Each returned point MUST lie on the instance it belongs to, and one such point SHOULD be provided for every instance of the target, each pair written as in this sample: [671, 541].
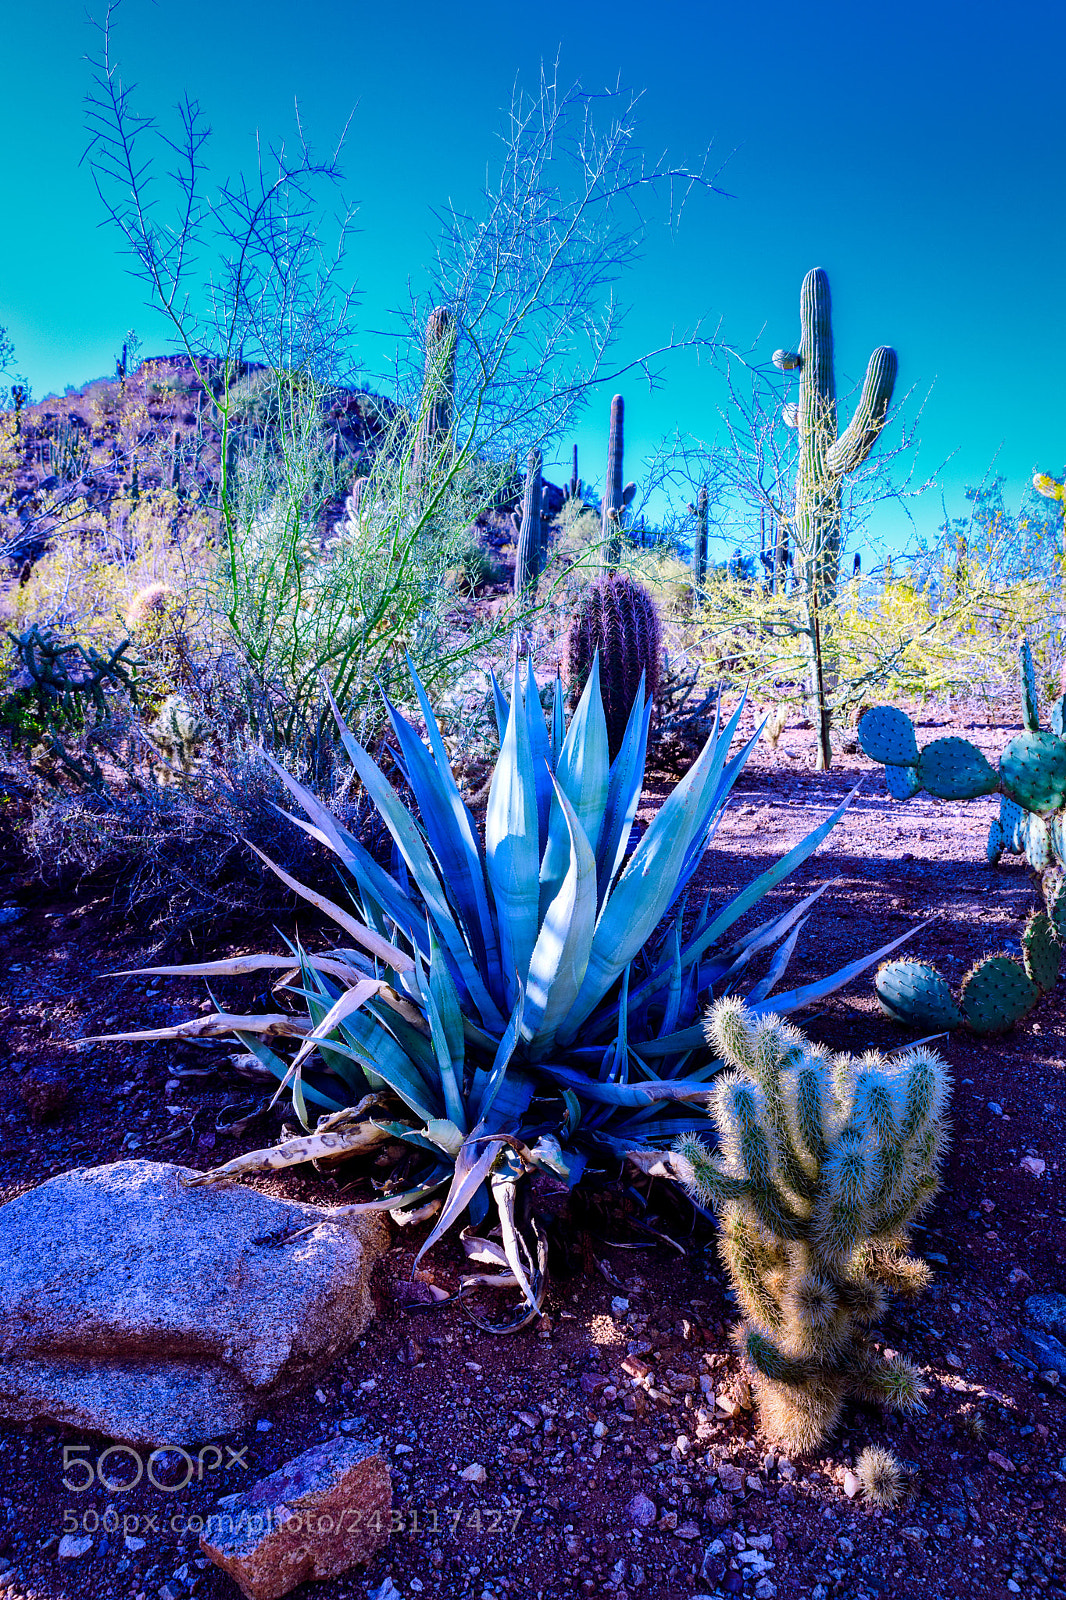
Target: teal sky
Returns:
[916, 151]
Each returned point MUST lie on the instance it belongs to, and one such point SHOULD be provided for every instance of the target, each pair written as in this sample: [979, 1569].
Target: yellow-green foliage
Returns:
[893, 638]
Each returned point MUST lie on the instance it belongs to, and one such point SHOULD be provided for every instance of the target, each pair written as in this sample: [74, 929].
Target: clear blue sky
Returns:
[916, 151]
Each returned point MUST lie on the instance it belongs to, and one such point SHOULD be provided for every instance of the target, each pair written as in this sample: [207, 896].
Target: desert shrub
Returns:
[173, 854]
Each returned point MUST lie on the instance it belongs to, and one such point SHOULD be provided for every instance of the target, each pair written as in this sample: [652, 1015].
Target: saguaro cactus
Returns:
[529, 544]
[615, 497]
[823, 1164]
[617, 618]
[433, 438]
[699, 543]
[825, 456]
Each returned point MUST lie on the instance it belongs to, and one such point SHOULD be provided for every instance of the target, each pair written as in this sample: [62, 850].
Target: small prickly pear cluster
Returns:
[1031, 782]
[824, 1162]
[996, 993]
[617, 619]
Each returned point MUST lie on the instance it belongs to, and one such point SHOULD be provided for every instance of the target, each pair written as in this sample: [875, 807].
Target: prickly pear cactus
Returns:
[954, 769]
[997, 993]
[1030, 697]
[1033, 770]
[1041, 951]
[887, 735]
[1031, 783]
[914, 993]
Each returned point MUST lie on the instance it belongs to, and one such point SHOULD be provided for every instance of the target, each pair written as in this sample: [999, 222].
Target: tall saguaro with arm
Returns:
[826, 456]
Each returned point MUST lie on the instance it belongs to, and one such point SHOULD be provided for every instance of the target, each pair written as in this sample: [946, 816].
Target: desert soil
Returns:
[576, 1459]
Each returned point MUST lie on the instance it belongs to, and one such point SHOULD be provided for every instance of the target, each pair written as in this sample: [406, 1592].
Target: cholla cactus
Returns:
[824, 1163]
[179, 732]
[881, 1476]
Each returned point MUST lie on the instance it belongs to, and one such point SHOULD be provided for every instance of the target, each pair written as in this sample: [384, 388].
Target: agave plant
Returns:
[500, 1007]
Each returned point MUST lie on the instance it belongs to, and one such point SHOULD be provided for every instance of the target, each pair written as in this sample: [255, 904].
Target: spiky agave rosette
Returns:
[500, 1007]
[824, 1162]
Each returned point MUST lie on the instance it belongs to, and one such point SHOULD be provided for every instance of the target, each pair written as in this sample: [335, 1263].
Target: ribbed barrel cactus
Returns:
[617, 621]
[824, 455]
[1031, 782]
[823, 1164]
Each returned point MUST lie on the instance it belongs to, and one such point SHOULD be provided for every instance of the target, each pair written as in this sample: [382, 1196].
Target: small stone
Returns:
[996, 1110]
[474, 1473]
[731, 1480]
[619, 1305]
[10, 915]
[384, 1591]
[318, 1516]
[765, 1589]
[1004, 1463]
[852, 1484]
[70, 1547]
[1033, 1165]
[727, 1405]
[1019, 1278]
[263, 1426]
[688, 1530]
[642, 1511]
[635, 1368]
[133, 1543]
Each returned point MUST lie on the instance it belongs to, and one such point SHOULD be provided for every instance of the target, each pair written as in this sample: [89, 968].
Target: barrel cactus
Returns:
[618, 620]
[823, 1164]
[825, 456]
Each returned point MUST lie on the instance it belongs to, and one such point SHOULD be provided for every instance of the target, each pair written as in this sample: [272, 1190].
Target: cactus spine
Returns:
[433, 436]
[617, 620]
[616, 497]
[825, 457]
[824, 1162]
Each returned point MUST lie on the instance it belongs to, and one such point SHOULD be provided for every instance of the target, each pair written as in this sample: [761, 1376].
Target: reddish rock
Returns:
[326, 1511]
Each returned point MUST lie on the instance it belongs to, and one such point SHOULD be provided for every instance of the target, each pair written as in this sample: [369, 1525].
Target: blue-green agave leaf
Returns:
[512, 845]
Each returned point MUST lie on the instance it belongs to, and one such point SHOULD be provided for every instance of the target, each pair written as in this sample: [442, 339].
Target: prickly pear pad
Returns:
[901, 782]
[1030, 698]
[997, 993]
[1042, 951]
[1033, 767]
[914, 993]
[887, 735]
[954, 769]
